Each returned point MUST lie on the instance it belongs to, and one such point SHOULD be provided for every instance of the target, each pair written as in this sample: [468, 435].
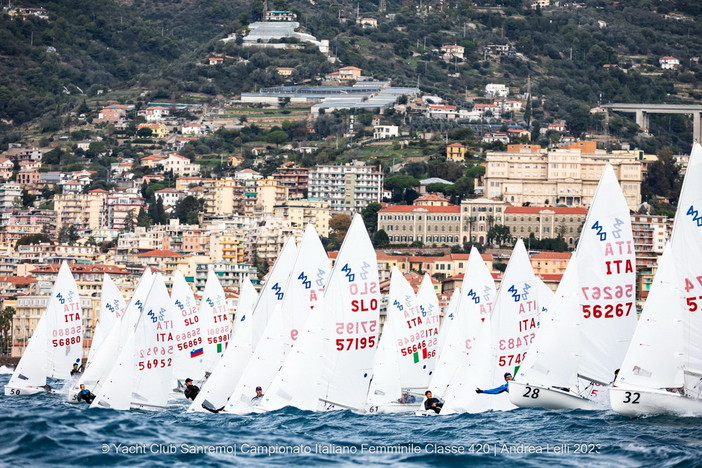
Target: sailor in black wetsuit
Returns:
[85, 394]
[432, 403]
[76, 371]
[191, 390]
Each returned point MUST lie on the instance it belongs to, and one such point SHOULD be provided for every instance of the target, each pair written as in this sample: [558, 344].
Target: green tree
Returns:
[381, 239]
[277, 137]
[188, 210]
[157, 213]
[30, 239]
[499, 234]
[370, 216]
[68, 234]
[143, 219]
[339, 224]
[663, 178]
[6, 327]
[144, 132]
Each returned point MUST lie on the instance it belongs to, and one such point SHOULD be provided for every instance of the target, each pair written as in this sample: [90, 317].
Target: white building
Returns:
[669, 63]
[180, 165]
[169, 197]
[496, 90]
[385, 131]
[347, 188]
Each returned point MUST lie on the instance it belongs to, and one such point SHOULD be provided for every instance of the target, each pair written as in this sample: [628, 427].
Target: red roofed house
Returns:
[165, 261]
[456, 152]
[431, 200]
[216, 60]
[113, 113]
[550, 263]
[669, 63]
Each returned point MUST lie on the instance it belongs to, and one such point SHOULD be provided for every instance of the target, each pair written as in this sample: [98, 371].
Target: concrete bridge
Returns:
[643, 112]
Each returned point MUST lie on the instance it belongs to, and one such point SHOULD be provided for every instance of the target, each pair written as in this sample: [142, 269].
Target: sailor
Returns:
[76, 370]
[85, 394]
[255, 401]
[407, 398]
[500, 389]
[432, 403]
[191, 390]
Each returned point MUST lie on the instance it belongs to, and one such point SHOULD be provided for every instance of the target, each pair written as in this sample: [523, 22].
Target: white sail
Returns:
[656, 355]
[216, 391]
[502, 343]
[215, 326]
[448, 320]
[474, 308]
[112, 306]
[142, 374]
[430, 313]
[106, 356]
[191, 324]
[662, 370]
[298, 383]
[593, 317]
[340, 338]
[58, 339]
[606, 262]
[273, 291]
[554, 356]
[351, 320]
[393, 367]
[305, 287]
[685, 241]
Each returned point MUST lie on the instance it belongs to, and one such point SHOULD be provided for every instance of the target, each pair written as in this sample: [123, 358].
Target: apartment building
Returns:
[347, 188]
[563, 176]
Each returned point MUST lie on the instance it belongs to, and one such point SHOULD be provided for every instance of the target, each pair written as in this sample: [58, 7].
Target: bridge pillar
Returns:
[697, 127]
[642, 119]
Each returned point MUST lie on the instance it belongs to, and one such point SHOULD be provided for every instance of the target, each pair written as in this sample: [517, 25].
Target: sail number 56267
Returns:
[607, 311]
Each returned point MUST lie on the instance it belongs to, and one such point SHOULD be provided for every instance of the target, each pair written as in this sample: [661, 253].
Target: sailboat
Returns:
[106, 355]
[220, 384]
[502, 343]
[215, 327]
[190, 324]
[218, 387]
[662, 370]
[57, 341]
[330, 366]
[585, 335]
[304, 290]
[460, 328]
[397, 377]
[112, 306]
[141, 378]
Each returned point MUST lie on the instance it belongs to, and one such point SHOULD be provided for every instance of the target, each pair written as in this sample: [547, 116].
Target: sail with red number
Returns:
[587, 331]
[190, 325]
[662, 369]
[473, 309]
[331, 364]
[215, 328]
[142, 375]
[57, 341]
[502, 343]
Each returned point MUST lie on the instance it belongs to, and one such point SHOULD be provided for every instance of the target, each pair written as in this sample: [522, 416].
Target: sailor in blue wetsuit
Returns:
[85, 394]
[500, 389]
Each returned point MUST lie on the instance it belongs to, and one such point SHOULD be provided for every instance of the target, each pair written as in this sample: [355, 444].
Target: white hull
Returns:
[423, 412]
[393, 408]
[636, 402]
[13, 391]
[534, 396]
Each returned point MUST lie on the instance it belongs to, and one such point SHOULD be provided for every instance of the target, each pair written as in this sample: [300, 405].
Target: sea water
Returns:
[45, 430]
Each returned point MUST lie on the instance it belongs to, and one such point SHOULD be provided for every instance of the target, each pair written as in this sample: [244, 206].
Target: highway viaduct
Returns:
[643, 112]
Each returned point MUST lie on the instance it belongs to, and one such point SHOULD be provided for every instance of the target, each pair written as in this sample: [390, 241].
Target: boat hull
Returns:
[393, 408]
[23, 391]
[525, 396]
[647, 402]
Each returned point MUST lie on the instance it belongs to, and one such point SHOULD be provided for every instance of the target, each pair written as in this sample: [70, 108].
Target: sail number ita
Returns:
[608, 310]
